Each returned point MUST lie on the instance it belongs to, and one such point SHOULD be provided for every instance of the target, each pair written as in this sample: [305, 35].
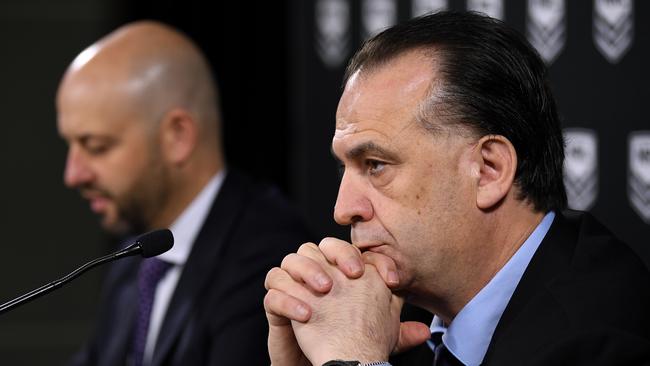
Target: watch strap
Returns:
[355, 363]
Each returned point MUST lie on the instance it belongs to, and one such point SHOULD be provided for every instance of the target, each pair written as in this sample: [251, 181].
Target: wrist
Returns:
[362, 356]
[355, 363]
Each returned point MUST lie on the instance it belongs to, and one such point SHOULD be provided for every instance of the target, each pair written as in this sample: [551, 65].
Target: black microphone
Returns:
[148, 245]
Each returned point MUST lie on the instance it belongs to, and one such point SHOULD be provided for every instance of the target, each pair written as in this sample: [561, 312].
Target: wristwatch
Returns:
[354, 363]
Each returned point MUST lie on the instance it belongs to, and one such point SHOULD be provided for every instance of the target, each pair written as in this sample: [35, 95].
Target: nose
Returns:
[77, 172]
[352, 204]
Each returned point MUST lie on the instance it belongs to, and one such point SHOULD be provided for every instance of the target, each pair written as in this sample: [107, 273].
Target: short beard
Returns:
[146, 199]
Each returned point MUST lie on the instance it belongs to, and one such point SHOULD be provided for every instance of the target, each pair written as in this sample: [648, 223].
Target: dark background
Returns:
[278, 100]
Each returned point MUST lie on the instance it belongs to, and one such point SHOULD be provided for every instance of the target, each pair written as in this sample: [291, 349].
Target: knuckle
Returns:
[267, 301]
[286, 261]
[270, 301]
[325, 241]
[338, 248]
[307, 247]
[270, 275]
[329, 241]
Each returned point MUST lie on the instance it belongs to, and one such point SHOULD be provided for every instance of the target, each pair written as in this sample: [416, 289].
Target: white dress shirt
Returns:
[185, 230]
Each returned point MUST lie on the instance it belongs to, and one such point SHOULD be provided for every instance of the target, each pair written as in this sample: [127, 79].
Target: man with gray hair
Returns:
[452, 186]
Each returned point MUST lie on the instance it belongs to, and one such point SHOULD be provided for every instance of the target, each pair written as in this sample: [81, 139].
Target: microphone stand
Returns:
[133, 249]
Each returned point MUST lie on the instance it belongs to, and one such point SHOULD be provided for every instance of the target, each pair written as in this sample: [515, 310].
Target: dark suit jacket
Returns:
[216, 314]
[583, 300]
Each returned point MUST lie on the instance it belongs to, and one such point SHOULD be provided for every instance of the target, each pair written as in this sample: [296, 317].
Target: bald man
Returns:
[139, 112]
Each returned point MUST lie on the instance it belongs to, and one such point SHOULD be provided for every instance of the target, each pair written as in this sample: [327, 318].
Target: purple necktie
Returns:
[152, 270]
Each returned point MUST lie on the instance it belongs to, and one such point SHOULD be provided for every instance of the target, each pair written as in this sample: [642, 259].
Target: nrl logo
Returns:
[546, 27]
[332, 31]
[491, 8]
[421, 7]
[581, 167]
[377, 15]
[613, 28]
[638, 188]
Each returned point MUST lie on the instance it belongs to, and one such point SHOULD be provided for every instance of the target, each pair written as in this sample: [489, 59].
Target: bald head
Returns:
[139, 112]
[152, 68]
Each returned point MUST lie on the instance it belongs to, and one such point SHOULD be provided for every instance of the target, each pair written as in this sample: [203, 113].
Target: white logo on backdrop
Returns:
[421, 7]
[546, 27]
[638, 187]
[492, 8]
[332, 31]
[581, 167]
[377, 15]
[613, 27]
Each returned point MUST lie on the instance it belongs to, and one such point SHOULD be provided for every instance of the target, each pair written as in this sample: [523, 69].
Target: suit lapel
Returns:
[547, 266]
[202, 261]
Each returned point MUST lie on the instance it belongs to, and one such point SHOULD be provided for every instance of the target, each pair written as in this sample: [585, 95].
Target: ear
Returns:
[497, 167]
[178, 135]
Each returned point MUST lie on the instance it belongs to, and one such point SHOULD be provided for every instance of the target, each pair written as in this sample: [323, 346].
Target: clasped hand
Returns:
[330, 301]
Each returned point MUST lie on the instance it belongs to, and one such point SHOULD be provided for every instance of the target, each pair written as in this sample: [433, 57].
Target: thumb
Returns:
[411, 334]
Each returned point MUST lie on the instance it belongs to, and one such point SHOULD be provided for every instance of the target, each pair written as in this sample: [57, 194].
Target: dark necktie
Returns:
[152, 270]
[442, 356]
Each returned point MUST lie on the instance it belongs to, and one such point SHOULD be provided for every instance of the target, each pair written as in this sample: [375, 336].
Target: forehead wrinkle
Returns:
[370, 144]
[371, 147]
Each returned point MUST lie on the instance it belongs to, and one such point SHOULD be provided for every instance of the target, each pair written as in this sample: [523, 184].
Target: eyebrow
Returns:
[89, 136]
[367, 148]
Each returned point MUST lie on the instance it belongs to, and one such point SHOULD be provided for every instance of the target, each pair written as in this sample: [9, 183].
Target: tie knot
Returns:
[154, 265]
[442, 355]
[436, 338]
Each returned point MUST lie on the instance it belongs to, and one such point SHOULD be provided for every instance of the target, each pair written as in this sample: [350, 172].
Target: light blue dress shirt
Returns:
[469, 334]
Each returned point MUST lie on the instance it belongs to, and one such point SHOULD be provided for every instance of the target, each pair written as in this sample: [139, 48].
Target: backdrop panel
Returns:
[598, 53]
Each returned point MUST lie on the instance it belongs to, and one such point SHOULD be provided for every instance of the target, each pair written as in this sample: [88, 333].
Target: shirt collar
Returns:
[469, 334]
[187, 225]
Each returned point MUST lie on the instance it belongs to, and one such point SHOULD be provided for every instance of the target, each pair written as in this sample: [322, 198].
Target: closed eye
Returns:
[97, 150]
[96, 146]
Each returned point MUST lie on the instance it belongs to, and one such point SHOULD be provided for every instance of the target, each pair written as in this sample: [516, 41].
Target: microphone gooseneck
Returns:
[148, 245]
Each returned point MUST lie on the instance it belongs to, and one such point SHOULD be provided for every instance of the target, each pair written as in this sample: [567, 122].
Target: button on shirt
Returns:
[469, 334]
[185, 230]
